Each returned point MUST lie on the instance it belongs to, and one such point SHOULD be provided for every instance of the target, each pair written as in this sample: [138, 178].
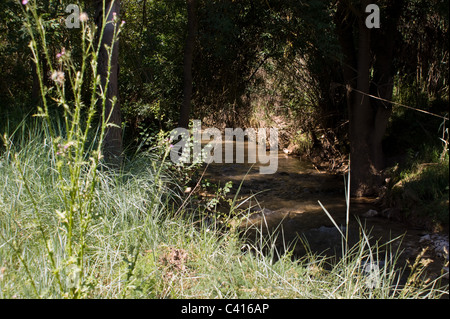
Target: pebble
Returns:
[370, 213]
[437, 242]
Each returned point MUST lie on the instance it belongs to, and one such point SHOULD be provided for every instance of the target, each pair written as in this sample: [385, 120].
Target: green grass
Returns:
[137, 248]
[415, 142]
[422, 191]
[71, 228]
[419, 185]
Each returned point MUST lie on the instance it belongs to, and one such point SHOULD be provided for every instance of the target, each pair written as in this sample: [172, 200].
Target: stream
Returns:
[288, 202]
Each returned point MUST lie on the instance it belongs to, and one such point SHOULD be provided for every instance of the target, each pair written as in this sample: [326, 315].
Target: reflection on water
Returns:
[291, 197]
[296, 186]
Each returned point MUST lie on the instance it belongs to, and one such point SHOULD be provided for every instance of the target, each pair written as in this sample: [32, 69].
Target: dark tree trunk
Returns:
[362, 171]
[344, 21]
[382, 82]
[187, 63]
[112, 144]
[368, 117]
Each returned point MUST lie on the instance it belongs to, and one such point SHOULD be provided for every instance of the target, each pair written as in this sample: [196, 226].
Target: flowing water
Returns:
[288, 201]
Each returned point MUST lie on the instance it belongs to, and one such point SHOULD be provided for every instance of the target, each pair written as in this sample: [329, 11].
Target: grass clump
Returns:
[136, 247]
[417, 149]
[420, 190]
[72, 228]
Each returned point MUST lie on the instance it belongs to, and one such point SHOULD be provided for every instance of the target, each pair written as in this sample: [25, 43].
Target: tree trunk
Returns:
[187, 63]
[345, 30]
[112, 144]
[361, 165]
[368, 117]
[382, 82]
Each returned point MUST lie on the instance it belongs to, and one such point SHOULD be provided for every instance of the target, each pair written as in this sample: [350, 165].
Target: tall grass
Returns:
[137, 248]
[75, 157]
[71, 229]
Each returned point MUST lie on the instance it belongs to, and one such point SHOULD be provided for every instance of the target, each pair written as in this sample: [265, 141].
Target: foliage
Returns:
[137, 248]
[151, 67]
[71, 228]
[421, 191]
[424, 46]
[75, 159]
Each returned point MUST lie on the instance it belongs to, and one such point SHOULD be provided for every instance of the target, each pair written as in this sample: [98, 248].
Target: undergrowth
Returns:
[72, 228]
[417, 149]
[137, 248]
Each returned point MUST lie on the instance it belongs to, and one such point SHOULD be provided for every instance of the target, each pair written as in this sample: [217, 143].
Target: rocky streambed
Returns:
[285, 205]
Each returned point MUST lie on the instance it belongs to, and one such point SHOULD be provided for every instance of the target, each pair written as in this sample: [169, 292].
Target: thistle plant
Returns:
[76, 156]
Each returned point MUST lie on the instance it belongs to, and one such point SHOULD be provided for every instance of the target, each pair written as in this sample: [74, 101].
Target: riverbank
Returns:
[290, 199]
[139, 244]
